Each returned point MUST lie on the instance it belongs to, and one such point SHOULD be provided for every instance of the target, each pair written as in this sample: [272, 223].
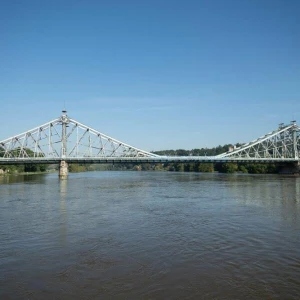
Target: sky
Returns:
[171, 74]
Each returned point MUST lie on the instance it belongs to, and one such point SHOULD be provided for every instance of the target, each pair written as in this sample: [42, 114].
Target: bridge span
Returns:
[142, 160]
[65, 140]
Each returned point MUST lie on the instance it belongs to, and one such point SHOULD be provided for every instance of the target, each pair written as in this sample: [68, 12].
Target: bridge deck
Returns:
[140, 160]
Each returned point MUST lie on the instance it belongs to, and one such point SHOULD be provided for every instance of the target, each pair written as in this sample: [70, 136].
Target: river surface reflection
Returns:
[149, 235]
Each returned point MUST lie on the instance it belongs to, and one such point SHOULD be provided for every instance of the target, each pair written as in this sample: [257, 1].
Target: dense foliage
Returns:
[201, 167]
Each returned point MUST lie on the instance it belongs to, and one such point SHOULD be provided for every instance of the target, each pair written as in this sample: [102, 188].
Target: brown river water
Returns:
[149, 235]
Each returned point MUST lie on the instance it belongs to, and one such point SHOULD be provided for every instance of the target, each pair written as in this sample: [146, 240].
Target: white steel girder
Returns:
[283, 143]
[65, 137]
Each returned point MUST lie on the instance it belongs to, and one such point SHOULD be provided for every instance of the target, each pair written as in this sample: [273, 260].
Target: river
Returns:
[149, 235]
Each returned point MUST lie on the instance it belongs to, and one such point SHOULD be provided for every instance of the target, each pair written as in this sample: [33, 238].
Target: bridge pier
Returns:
[290, 168]
[63, 169]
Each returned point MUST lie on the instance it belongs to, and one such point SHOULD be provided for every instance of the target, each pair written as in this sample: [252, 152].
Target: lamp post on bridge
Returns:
[63, 166]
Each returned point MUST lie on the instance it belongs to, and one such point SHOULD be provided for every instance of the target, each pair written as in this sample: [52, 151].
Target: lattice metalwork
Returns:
[66, 138]
[283, 143]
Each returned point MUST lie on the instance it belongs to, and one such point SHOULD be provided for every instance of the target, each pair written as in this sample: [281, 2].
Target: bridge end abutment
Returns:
[63, 169]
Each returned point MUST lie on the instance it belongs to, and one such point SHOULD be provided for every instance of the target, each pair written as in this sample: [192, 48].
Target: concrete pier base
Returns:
[290, 168]
[63, 169]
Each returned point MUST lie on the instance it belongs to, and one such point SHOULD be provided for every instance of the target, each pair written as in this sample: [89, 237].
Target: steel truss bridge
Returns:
[65, 139]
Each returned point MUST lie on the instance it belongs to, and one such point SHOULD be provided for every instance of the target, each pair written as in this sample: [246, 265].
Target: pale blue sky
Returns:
[155, 74]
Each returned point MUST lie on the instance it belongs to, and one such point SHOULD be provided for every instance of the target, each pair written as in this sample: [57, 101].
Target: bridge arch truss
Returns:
[67, 139]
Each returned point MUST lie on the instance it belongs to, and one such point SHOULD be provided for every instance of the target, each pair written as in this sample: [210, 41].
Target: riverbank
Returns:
[26, 173]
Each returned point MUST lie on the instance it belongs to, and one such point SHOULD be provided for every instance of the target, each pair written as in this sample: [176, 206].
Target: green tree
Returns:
[243, 169]
[229, 168]
[204, 167]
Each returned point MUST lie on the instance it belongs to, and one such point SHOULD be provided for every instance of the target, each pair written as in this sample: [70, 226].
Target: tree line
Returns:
[229, 167]
[253, 168]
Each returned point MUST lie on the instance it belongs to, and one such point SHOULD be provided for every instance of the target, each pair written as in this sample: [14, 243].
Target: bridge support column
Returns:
[290, 168]
[63, 169]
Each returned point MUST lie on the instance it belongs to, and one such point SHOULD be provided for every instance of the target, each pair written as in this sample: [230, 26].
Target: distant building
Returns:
[231, 148]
